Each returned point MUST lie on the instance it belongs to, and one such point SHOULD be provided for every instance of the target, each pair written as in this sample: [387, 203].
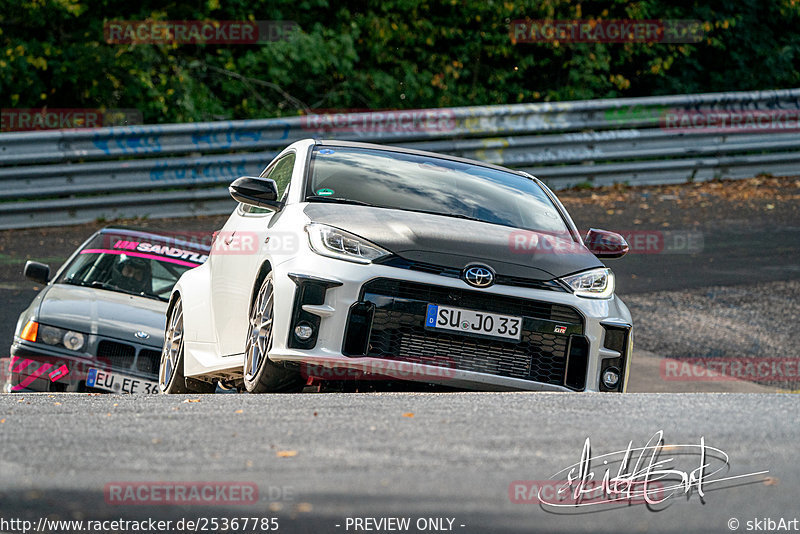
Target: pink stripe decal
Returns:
[138, 255]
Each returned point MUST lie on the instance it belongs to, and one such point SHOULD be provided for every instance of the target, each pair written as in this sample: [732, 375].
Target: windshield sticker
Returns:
[326, 151]
[195, 258]
[324, 192]
[162, 250]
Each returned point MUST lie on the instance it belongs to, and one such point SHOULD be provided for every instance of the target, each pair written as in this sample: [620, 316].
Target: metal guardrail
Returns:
[75, 176]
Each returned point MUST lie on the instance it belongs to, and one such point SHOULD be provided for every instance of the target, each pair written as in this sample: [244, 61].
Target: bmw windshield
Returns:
[427, 184]
[130, 265]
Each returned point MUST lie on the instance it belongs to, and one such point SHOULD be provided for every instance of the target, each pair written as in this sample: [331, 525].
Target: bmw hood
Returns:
[104, 313]
[455, 243]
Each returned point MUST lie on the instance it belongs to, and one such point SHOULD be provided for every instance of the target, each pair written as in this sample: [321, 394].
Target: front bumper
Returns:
[395, 344]
[37, 368]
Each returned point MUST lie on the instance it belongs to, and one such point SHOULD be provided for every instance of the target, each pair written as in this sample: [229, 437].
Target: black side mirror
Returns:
[258, 192]
[38, 272]
[605, 244]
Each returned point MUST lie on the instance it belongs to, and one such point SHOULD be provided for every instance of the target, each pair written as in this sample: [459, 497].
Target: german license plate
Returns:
[119, 383]
[473, 322]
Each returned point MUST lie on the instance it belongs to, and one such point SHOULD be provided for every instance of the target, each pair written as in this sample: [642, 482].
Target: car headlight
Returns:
[51, 335]
[73, 340]
[334, 243]
[594, 284]
[59, 336]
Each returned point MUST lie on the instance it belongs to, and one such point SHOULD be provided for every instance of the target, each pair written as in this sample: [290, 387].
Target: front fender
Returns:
[194, 288]
[200, 347]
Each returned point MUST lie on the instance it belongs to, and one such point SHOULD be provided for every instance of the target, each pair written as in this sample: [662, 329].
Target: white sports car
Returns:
[352, 261]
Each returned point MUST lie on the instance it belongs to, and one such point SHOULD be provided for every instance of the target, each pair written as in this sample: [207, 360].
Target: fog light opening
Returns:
[303, 331]
[611, 377]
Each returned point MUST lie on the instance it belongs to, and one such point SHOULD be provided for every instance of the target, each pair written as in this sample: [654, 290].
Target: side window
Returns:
[281, 172]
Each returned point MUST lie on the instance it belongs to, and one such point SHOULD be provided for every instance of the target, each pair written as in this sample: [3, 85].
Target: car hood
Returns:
[455, 243]
[104, 313]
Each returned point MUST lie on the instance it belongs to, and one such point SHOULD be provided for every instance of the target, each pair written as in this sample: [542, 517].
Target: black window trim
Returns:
[274, 163]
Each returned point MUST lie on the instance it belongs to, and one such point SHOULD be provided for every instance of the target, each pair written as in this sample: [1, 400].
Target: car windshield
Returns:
[130, 265]
[428, 184]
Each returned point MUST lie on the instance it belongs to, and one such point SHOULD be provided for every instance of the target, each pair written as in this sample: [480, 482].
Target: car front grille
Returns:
[398, 332]
[116, 354]
[123, 356]
[148, 361]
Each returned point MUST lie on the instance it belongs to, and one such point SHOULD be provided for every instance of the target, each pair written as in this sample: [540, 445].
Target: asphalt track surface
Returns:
[319, 459]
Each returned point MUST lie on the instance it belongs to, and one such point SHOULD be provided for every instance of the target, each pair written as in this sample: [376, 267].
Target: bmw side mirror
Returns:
[605, 244]
[258, 192]
[38, 272]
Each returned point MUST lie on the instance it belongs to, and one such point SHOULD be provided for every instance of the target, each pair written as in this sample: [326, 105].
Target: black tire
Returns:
[170, 371]
[260, 374]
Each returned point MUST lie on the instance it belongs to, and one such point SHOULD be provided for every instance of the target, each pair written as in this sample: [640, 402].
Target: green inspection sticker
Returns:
[324, 192]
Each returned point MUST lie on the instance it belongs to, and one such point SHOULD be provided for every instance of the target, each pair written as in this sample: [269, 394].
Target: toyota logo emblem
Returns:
[479, 276]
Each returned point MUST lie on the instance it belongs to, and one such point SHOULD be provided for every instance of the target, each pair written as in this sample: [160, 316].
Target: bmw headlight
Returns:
[50, 335]
[593, 284]
[73, 340]
[58, 336]
[334, 243]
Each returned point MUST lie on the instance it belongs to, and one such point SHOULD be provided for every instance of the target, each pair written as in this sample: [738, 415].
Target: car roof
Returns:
[358, 144]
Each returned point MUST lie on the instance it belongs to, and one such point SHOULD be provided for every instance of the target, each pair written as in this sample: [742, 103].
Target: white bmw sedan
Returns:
[350, 261]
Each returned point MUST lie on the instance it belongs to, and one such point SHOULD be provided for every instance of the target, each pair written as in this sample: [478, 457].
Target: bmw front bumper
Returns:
[35, 367]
